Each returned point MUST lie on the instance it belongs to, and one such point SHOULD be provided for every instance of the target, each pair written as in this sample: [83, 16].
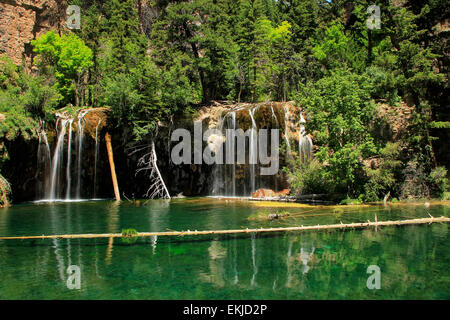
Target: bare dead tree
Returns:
[148, 163]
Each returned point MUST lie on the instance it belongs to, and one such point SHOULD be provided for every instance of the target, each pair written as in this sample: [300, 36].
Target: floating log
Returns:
[112, 166]
[247, 230]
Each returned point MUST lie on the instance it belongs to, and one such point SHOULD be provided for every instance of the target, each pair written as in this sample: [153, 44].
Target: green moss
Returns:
[129, 236]
[349, 201]
[260, 215]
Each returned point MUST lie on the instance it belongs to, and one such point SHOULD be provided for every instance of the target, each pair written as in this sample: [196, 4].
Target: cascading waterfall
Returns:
[304, 141]
[219, 183]
[44, 159]
[80, 136]
[273, 115]
[286, 128]
[231, 179]
[57, 157]
[96, 156]
[69, 157]
[56, 172]
[277, 126]
[253, 156]
[233, 117]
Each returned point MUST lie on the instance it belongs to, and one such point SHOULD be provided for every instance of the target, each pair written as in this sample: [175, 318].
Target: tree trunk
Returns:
[254, 84]
[205, 96]
[113, 168]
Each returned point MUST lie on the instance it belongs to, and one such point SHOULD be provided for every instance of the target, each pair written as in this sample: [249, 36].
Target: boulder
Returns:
[268, 193]
[264, 193]
[284, 193]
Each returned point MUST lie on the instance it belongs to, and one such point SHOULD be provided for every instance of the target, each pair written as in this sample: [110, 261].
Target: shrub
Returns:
[414, 184]
[129, 236]
[438, 182]
[307, 177]
[383, 177]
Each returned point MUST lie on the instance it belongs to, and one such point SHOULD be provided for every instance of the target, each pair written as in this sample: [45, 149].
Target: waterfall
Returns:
[69, 156]
[58, 179]
[277, 126]
[304, 141]
[273, 115]
[57, 157]
[96, 157]
[233, 117]
[80, 150]
[231, 179]
[44, 159]
[253, 150]
[218, 173]
[286, 128]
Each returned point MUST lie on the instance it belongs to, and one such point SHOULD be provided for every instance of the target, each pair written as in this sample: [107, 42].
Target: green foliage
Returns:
[24, 99]
[335, 49]
[307, 177]
[339, 111]
[415, 183]
[440, 124]
[438, 182]
[349, 201]
[68, 59]
[383, 177]
[384, 84]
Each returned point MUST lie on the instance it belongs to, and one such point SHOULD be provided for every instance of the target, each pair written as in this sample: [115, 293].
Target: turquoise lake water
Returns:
[414, 260]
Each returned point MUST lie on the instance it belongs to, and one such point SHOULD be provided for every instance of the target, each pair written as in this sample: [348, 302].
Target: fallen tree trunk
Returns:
[215, 232]
[112, 166]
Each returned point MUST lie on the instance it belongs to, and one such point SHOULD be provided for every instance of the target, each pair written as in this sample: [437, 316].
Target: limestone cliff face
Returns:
[21, 21]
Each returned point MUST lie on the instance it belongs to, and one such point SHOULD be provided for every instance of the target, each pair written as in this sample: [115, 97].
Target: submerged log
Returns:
[247, 230]
[112, 166]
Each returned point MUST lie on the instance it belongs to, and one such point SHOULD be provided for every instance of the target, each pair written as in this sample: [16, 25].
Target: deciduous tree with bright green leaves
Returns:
[69, 59]
[339, 110]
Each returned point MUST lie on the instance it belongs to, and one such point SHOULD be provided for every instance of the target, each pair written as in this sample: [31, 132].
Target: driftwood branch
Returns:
[341, 226]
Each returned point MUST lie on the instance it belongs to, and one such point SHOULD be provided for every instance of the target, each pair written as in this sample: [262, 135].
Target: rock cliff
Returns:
[21, 21]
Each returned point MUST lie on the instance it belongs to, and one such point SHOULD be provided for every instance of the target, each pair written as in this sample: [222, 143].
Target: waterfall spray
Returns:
[69, 156]
[286, 129]
[304, 141]
[57, 158]
[96, 157]
[44, 160]
[80, 150]
[233, 115]
[253, 150]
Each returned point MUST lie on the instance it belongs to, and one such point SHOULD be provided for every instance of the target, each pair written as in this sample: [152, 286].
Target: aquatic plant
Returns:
[129, 236]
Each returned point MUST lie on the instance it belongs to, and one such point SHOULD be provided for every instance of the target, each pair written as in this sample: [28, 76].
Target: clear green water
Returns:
[414, 260]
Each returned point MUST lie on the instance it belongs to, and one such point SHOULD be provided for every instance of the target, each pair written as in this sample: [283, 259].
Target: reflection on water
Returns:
[310, 265]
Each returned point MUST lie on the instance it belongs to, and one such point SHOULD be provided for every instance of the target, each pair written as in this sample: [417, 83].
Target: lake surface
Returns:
[414, 260]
